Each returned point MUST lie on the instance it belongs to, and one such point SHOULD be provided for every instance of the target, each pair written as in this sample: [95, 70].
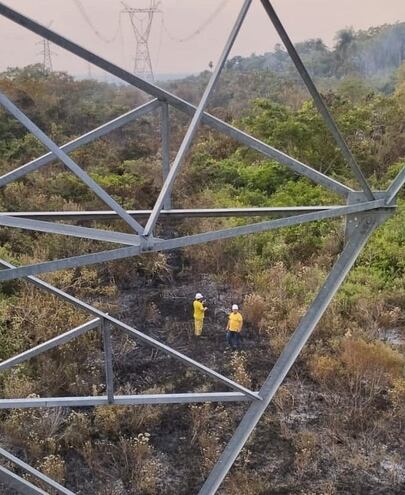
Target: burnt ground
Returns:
[333, 465]
[166, 315]
[304, 444]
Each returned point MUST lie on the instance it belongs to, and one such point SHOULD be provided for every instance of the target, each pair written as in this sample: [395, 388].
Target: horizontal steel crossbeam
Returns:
[169, 214]
[123, 400]
[265, 226]
[74, 262]
[165, 245]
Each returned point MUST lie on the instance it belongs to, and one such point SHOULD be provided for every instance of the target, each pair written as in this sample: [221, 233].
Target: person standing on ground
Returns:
[199, 313]
[234, 328]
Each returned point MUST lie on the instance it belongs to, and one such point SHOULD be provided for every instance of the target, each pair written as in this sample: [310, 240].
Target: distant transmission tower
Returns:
[141, 20]
[46, 53]
[46, 56]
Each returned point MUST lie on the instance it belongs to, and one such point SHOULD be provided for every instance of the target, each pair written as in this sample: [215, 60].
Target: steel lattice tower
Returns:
[364, 211]
[141, 22]
[46, 56]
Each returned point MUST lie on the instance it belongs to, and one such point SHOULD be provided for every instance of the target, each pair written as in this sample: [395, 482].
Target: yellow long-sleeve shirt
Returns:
[198, 310]
[235, 322]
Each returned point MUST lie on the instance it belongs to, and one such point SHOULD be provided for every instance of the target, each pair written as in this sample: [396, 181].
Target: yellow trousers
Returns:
[198, 326]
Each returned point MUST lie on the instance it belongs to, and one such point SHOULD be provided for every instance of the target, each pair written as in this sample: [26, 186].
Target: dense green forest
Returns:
[336, 425]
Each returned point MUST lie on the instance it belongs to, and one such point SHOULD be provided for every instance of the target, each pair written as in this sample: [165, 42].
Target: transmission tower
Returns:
[46, 54]
[141, 21]
[364, 211]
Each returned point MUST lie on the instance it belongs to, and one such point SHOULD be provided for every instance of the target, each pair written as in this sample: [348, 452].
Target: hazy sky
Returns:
[303, 19]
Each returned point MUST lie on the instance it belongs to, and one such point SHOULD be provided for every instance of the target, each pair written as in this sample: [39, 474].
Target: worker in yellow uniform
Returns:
[234, 328]
[199, 313]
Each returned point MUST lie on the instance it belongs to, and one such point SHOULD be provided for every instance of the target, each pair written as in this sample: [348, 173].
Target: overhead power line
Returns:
[89, 22]
[141, 20]
[200, 28]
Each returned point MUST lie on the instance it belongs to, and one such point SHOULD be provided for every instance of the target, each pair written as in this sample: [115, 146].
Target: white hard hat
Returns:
[235, 306]
[198, 296]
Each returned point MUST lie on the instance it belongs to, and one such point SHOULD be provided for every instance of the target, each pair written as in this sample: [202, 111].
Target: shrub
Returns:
[240, 374]
[370, 366]
[54, 467]
[35, 430]
[284, 399]
[325, 369]
[17, 385]
[253, 309]
[132, 460]
[209, 424]
[306, 450]
[113, 422]
[210, 448]
[200, 417]
[397, 396]
[78, 429]
[244, 483]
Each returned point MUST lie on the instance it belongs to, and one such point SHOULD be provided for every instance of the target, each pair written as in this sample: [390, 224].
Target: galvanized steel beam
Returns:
[108, 364]
[165, 138]
[123, 400]
[266, 226]
[70, 230]
[166, 245]
[169, 214]
[395, 187]
[73, 262]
